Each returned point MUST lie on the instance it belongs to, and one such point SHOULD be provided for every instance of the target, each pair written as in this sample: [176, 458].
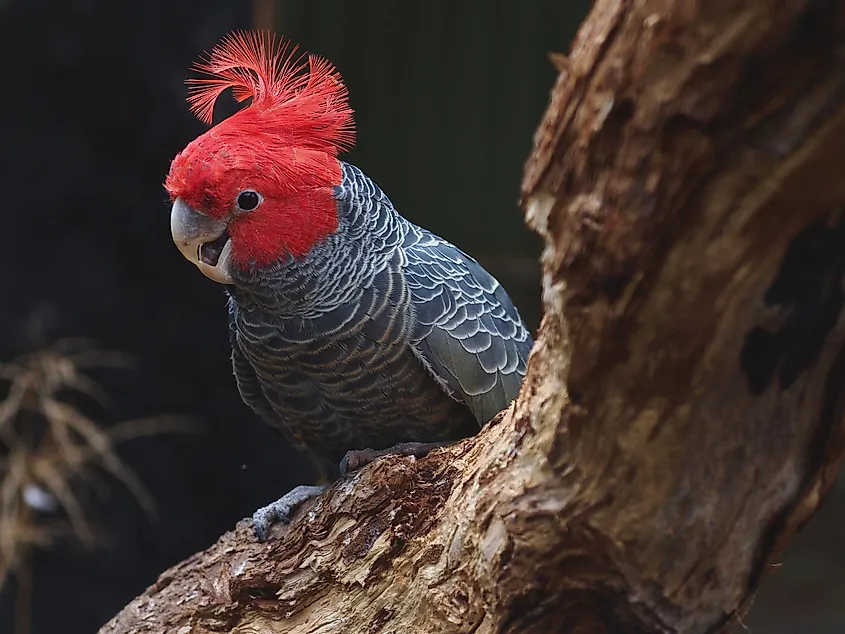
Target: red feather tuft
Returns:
[284, 144]
[303, 97]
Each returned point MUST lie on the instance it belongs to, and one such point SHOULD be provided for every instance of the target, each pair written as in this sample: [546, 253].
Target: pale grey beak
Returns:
[203, 241]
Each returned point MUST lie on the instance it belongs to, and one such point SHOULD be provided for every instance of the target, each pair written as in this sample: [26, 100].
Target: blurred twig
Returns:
[49, 446]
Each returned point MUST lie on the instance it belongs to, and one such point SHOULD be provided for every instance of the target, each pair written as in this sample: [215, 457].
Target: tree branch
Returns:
[682, 413]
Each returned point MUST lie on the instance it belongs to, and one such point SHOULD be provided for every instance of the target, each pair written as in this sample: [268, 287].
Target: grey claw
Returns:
[282, 512]
[260, 525]
[343, 468]
[282, 509]
[265, 517]
[356, 458]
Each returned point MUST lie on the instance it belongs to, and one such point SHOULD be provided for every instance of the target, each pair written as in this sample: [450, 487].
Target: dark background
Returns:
[447, 96]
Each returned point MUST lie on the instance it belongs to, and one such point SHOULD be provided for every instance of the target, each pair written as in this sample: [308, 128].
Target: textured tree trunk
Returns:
[683, 410]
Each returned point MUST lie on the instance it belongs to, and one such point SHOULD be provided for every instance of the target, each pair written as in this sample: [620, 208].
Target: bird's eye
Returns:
[248, 200]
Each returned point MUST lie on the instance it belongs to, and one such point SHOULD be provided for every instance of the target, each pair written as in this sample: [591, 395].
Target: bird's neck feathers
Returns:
[289, 286]
[338, 267]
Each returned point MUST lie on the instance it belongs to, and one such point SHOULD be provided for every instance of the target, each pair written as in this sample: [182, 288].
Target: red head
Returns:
[264, 176]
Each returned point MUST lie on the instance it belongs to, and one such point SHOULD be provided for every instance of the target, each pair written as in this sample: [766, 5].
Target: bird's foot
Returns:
[356, 459]
[282, 509]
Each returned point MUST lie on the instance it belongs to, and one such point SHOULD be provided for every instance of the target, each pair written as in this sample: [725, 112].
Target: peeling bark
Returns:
[682, 415]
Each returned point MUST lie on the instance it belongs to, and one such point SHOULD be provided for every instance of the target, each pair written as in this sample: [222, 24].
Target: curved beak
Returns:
[203, 241]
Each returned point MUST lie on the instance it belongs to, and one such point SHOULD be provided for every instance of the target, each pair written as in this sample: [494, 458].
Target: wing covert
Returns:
[468, 331]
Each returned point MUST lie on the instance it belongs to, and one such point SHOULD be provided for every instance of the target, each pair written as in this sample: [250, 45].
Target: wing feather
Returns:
[468, 331]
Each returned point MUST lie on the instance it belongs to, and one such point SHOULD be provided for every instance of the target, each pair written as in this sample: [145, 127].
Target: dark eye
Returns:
[248, 200]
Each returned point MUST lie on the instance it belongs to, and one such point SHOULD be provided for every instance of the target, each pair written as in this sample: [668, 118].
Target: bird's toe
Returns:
[262, 519]
[282, 509]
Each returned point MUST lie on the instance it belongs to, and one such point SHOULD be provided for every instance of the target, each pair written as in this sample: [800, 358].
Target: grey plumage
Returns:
[384, 333]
